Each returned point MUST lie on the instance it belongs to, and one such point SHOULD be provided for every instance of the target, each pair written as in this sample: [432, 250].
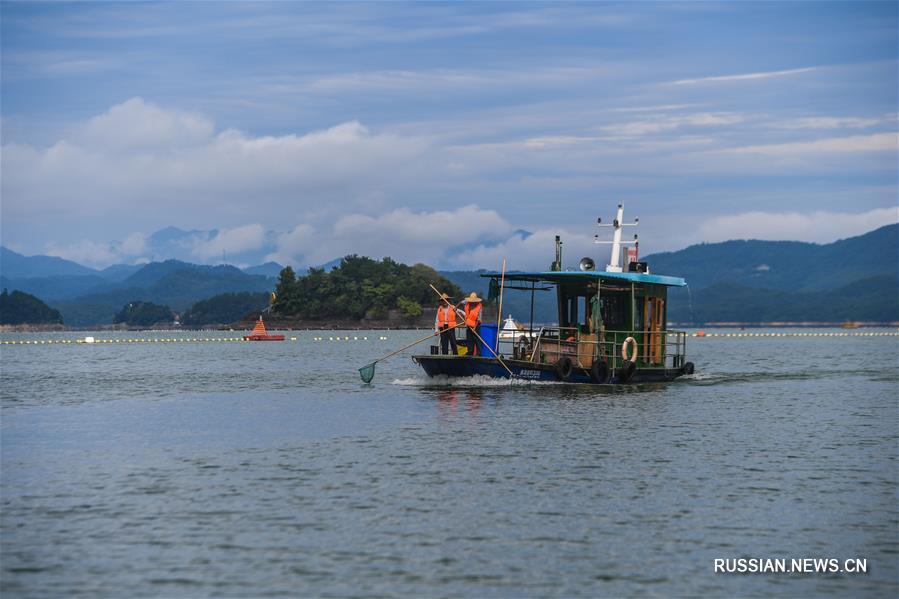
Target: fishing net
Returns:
[367, 373]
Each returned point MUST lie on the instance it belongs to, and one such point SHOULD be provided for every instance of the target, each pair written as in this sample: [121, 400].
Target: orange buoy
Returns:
[260, 334]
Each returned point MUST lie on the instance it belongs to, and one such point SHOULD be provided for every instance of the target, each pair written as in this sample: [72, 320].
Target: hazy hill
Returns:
[269, 269]
[120, 272]
[56, 287]
[154, 272]
[784, 265]
[871, 299]
[172, 283]
[16, 266]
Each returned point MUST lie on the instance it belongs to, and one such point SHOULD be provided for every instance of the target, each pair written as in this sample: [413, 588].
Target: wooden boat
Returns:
[260, 334]
[612, 327]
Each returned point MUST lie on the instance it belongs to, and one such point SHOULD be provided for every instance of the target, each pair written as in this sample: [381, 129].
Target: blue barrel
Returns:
[488, 334]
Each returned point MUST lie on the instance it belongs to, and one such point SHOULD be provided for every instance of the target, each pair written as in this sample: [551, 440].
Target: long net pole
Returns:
[499, 310]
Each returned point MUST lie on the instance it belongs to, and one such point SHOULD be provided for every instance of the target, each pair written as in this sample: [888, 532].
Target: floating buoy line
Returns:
[93, 340]
[350, 338]
[817, 334]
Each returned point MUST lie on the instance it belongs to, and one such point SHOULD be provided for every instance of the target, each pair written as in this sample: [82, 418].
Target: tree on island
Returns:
[143, 314]
[359, 288]
[23, 308]
[224, 308]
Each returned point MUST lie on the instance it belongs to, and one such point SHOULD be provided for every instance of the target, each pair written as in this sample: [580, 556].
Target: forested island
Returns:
[361, 290]
[144, 314]
[224, 308]
[23, 308]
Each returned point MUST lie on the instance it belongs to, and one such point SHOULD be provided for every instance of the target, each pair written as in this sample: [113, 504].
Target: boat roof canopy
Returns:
[575, 276]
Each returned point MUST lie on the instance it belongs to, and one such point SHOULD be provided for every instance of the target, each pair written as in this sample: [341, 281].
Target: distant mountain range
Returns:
[86, 296]
[733, 281]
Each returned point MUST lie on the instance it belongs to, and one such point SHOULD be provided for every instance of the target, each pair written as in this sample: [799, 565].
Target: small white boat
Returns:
[513, 331]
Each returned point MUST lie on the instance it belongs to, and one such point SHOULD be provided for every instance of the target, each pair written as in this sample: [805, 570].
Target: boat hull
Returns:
[263, 338]
[462, 366]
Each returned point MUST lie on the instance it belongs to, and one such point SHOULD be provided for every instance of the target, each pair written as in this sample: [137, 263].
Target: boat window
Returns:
[638, 314]
[613, 311]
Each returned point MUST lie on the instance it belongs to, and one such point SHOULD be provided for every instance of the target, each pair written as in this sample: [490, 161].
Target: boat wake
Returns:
[730, 378]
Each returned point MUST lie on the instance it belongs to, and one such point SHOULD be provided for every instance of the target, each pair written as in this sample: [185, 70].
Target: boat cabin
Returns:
[597, 312]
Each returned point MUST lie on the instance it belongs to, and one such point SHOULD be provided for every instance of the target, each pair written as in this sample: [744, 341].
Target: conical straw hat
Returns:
[473, 298]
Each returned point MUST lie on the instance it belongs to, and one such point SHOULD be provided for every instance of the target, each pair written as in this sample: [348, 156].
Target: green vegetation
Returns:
[359, 288]
[224, 308]
[22, 308]
[143, 314]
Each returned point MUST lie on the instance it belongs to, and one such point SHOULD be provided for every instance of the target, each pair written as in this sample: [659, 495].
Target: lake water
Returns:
[263, 469]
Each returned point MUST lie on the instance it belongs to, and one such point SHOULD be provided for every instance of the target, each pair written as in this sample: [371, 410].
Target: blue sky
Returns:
[438, 131]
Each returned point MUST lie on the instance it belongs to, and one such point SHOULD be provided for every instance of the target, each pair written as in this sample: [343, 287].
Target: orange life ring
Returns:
[634, 353]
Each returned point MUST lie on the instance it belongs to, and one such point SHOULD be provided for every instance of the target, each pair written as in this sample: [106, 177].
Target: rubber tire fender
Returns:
[689, 368]
[599, 372]
[563, 368]
[626, 371]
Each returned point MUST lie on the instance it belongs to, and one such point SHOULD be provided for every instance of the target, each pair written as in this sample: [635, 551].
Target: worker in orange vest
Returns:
[446, 324]
[473, 322]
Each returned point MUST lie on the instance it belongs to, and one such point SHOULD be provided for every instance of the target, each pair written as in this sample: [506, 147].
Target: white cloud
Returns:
[470, 237]
[293, 246]
[81, 66]
[388, 84]
[401, 234]
[658, 108]
[877, 142]
[829, 122]
[142, 162]
[744, 76]
[99, 254]
[136, 124]
[88, 253]
[669, 123]
[535, 252]
[337, 190]
[231, 241]
[134, 245]
[819, 226]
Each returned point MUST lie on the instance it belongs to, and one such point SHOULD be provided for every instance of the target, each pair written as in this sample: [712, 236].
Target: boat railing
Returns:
[654, 348]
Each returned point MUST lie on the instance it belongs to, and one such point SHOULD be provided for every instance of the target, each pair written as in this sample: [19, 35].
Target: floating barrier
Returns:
[816, 334]
[92, 340]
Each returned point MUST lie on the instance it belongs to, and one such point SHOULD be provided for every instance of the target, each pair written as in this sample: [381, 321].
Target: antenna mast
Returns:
[615, 261]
